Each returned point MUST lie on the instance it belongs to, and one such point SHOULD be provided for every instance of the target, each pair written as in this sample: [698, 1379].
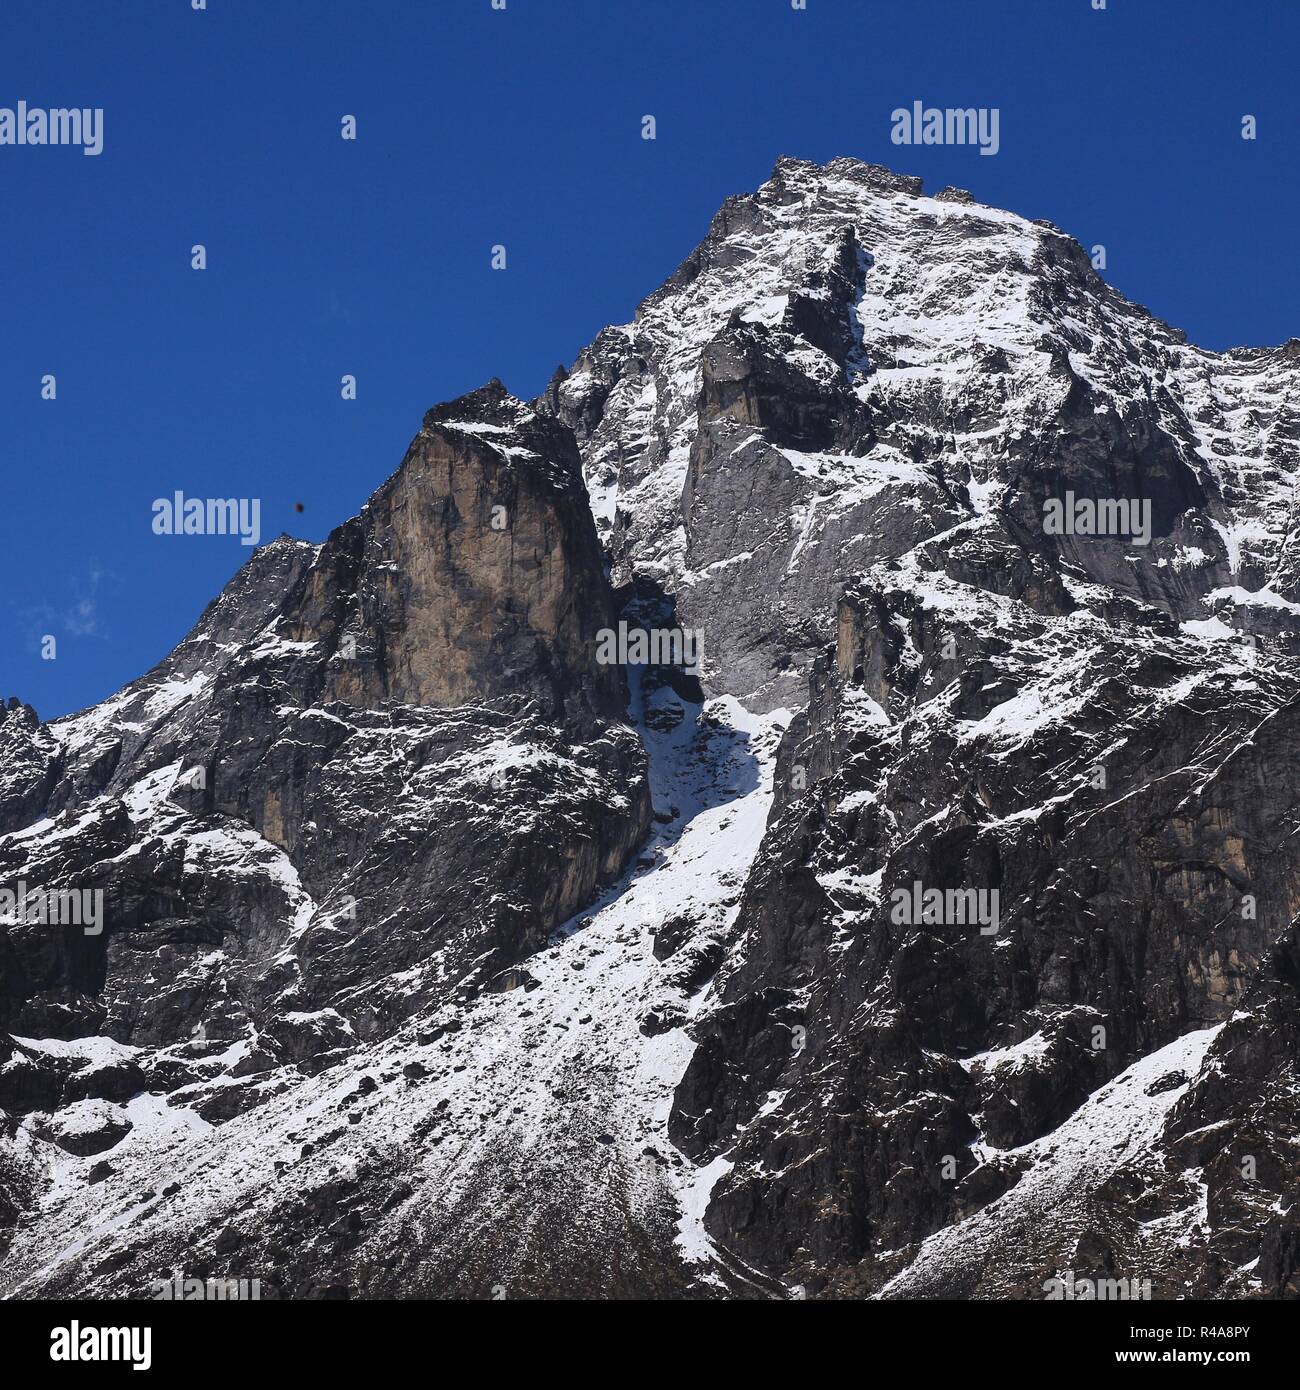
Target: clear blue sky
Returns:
[522, 127]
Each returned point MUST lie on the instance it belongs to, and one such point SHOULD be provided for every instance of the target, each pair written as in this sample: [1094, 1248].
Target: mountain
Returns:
[933, 935]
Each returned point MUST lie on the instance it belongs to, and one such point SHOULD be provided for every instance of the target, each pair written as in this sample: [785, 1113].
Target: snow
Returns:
[1263, 598]
[1014, 1057]
[168, 695]
[93, 1051]
[147, 798]
[1210, 630]
[694, 1195]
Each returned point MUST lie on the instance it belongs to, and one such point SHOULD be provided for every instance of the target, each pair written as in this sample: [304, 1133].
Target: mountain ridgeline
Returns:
[929, 932]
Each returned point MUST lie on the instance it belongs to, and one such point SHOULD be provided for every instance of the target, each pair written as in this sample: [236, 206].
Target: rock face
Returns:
[305, 800]
[935, 938]
[474, 572]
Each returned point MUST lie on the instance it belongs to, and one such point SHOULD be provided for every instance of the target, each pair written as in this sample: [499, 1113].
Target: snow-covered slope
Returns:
[517, 1143]
[1117, 1128]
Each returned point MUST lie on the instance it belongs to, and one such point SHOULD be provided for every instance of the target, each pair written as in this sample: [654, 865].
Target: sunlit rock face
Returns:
[473, 572]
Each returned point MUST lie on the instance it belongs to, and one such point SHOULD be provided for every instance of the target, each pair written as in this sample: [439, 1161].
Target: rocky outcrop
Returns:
[29, 765]
[307, 801]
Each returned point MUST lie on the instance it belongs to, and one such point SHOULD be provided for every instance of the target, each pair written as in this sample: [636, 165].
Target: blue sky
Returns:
[521, 127]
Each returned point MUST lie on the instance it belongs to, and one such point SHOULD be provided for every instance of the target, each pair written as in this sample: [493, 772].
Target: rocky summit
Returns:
[931, 931]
